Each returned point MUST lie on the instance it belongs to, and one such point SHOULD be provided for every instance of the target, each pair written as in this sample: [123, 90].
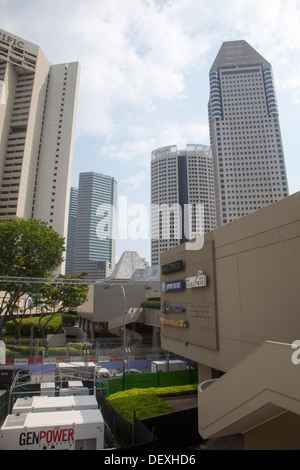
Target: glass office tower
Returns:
[91, 244]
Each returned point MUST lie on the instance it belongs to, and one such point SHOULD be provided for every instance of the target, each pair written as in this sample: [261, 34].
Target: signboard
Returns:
[196, 281]
[13, 41]
[164, 150]
[171, 322]
[172, 309]
[172, 286]
[172, 267]
[56, 435]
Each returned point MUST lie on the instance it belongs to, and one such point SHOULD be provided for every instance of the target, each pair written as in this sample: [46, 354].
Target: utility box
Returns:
[102, 373]
[75, 370]
[48, 389]
[168, 366]
[75, 384]
[41, 404]
[73, 391]
[62, 430]
[75, 388]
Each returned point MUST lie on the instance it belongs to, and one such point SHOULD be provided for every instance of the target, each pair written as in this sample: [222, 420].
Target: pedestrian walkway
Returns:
[183, 403]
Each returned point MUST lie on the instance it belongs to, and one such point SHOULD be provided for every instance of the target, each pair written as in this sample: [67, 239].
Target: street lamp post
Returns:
[124, 325]
[124, 329]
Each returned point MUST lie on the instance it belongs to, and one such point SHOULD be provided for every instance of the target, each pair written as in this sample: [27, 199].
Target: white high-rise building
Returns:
[38, 105]
[249, 166]
[181, 182]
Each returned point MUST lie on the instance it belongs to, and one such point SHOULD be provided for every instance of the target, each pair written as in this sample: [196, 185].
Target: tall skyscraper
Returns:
[248, 157]
[70, 254]
[37, 121]
[181, 182]
[91, 243]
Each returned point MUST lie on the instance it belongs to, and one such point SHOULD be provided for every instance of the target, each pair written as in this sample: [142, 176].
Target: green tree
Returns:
[28, 248]
[60, 297]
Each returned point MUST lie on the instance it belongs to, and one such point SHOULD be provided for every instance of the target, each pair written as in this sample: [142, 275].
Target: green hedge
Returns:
[14, 351]
[143, 402]
[177, 391]
[151, 304]
[147, 403]
[68, 319]
[55, 325]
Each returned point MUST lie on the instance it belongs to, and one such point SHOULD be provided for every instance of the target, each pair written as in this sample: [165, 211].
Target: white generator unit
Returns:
[67, 392]
[170, 366]
[48, 389]
[41, 404]
[75, 388]
[62, 430]
[75, 384]
[73, 370]
[102, 372]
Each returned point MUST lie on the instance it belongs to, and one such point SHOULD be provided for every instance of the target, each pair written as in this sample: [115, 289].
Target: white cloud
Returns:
[145, 63]
[139, 151]
[271, 26]
[136, 181]
[138, 53]
[132, 54]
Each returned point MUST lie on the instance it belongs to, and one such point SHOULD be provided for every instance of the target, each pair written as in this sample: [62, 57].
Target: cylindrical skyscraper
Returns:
[182, 196]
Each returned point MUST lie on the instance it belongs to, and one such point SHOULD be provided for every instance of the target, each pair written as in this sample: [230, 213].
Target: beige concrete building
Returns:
[130, 284]
[237, 315]
[37, 123]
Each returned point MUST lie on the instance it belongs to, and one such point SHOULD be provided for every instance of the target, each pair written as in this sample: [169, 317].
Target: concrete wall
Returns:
[279, 434]
[104, 304]
[253, 294]
[257, 390]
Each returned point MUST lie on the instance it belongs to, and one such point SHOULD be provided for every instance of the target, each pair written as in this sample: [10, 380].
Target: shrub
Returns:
[151, 304]
[81, 346]
[55, 325]
[21, 351]
[68, 319]
[147, 402]
[177, 391]
[61, 352]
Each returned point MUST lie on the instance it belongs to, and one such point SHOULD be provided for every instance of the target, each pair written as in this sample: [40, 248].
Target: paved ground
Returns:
[185, 403]
[223, 443]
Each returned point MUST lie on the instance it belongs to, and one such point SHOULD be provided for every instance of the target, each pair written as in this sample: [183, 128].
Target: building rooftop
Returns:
[129, 262]
[150, 273]
[237, 54]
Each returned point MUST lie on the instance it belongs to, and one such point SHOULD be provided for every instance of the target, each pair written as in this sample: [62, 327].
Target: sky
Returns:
[144, 80]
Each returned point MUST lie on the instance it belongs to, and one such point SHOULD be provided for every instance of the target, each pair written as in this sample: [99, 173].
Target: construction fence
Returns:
[158, 379]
